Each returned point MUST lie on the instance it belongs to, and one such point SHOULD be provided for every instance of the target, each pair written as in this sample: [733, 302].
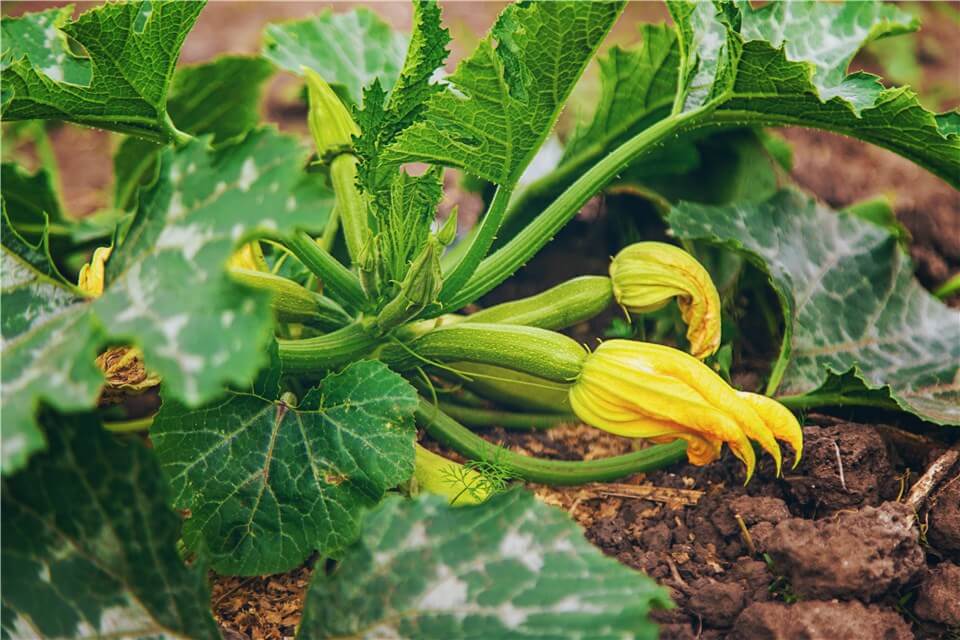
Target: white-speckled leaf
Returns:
[89, 545]
[122, 86]
[267, 484]
[167, 290]
[849, 299]
[49, 346]
[786, 64]
[509, 568]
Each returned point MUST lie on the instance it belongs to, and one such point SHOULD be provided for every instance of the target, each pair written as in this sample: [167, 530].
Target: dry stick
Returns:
[934, 473]
[685, 497]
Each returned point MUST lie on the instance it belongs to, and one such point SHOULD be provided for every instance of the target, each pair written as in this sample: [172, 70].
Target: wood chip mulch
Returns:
[260, 608]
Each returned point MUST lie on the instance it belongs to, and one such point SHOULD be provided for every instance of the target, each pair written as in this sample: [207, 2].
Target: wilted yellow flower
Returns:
[646, 275]
[644, 390]
[90, 280]
[460, 485]
[124, 374]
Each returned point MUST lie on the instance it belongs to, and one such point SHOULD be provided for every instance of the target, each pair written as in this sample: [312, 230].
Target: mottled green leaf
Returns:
[509, 568]
[39, 38]
[502, 101]
[709, 49]
[49, 346]
[828, 35]
[785, 64]
[220, 97]
[849, 299]
[133, 48]
[89, 544]
[348, 49]
[167, 289]
[267, 484]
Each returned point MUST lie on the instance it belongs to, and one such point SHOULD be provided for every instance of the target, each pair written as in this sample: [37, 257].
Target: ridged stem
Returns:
[335, 277]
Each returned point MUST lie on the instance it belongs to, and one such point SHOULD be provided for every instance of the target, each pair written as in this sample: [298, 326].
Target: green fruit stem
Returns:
[452, 434]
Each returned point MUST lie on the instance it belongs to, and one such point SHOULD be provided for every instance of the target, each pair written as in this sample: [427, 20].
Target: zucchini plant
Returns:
[302, 310]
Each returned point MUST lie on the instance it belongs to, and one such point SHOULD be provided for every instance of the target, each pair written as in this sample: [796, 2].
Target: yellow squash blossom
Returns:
[460, 485]
[647, 275]
[644, 390]
[249, 256]
[91, 276]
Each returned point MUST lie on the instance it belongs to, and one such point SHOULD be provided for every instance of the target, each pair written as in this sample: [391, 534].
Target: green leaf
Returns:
[167, 289]
[501, 102]
[785, 64]
[220, 97]
[849, 299]
[637, 88]
[382, 119]
[267, 484]
[349, 49]
[509, 568]
[404, 219]
[49, 346]
[89, 544]
[29, 198]
[133, 48]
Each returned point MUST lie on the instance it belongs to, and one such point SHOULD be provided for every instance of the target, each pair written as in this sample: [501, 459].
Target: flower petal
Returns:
[646, 275]
[780, 420]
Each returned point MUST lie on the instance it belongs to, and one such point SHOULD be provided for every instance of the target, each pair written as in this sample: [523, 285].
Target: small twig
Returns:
[686, 497]
[843, 481]
[934, 473]
[681, 583]
[745, 534]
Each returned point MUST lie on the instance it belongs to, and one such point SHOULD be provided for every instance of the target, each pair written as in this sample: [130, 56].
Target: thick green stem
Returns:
[449, 432]
[335, 277]
[539, 352]
[351, 206]
[514, 254]
[335, 349]
[478, 246]
[515, 421]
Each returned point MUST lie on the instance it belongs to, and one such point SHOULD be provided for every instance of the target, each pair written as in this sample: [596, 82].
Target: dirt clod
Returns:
[862, 554]
[844, 465]
[938, 599]
[813, 620]
[944, 519]
[717, 603]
